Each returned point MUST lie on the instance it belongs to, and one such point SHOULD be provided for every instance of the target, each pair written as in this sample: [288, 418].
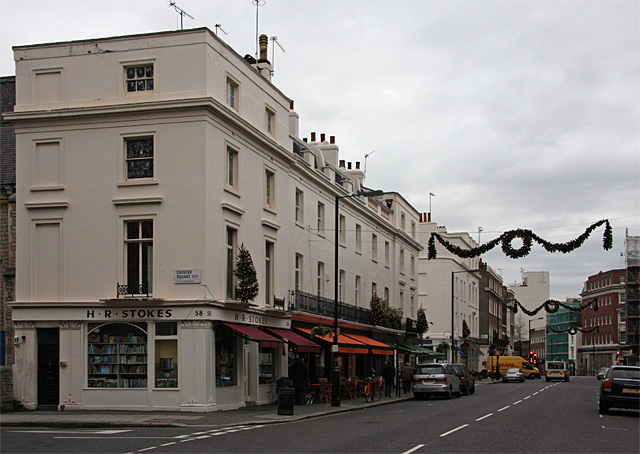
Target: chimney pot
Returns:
[263, 40]
[342, 163]
[313, 136]
[349, 165]
[429, 218]
[332, 139]
[357, 165]
[322, 137]
[304, 140]
[291, 105]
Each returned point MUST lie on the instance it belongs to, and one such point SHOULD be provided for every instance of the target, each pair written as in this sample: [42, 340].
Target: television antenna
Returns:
[181, 12]
[273, 51]
[364, 172]
[258, 4]
[219, 26]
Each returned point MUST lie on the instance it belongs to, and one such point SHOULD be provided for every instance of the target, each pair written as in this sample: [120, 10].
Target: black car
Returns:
[467, 381]
[620, 388]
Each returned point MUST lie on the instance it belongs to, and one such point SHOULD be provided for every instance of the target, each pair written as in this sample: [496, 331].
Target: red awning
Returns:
[345, 344]
[377, 347]
[254, 334]
[302, 345]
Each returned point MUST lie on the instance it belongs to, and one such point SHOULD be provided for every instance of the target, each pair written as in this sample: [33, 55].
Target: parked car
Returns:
[513, 375]
[435, 379]
[620, 388]
[601, 373]
[467, 381]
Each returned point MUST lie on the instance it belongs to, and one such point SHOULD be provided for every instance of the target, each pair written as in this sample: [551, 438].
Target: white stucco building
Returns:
[440, 277]
[532, 293]
[143, 163]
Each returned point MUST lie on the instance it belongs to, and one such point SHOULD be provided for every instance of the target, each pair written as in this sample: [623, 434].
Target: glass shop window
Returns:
[226, 360]
[166, 363]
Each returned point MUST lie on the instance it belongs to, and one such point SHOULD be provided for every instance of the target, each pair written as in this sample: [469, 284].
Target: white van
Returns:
[556, 370]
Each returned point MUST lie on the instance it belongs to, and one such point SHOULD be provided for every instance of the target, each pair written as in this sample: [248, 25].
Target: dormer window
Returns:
[139, 78]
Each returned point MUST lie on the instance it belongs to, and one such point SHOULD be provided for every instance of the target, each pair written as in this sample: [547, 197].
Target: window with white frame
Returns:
[139, 256]
[401, 261]
[413, 266]
[374, 247]
[231, 179]
[298, 272]
[374, 288]
[139, 78]
[403, 221]
[269, 188]
[299, 206]
[269, 264]
[139, 157]
[341, 276]
[358, 238]
[232, 93]
[232, 244]
[270, 121]
[386, 253]
[320, 279]
[358, 282]
[386, 294]
[320, 218]
[342, 230]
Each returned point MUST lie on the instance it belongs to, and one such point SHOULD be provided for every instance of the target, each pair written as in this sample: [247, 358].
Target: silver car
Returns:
[435, 378]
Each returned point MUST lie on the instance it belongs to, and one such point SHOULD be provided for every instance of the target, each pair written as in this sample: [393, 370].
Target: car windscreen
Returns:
[424, 370]
[632, 374]
[555, 366]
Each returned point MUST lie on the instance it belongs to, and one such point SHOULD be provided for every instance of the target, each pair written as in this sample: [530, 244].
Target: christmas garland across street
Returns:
[552, 306]
[573, 330]
[527, 237]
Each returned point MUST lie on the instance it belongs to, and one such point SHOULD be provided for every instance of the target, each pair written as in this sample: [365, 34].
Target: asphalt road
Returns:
[529, 417]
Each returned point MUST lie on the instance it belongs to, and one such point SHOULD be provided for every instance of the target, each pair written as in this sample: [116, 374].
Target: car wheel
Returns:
[473, 389]
[449, 394]
[465, 390]
[547, 379]
[603, 409]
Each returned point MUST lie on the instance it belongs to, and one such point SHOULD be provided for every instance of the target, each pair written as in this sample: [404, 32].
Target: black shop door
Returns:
[48, 368]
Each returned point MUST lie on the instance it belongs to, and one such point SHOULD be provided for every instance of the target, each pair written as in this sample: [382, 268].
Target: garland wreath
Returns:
[573, 330]
[552, 306]
[527, 237]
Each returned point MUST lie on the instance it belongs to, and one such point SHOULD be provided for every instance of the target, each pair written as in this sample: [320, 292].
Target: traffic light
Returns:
[531, 353]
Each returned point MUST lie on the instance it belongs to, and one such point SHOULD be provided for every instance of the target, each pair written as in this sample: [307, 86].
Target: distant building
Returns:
[630, 317]
[438, 278]
[7, 237]
[531, 293]
[560, 343]
[601, 327]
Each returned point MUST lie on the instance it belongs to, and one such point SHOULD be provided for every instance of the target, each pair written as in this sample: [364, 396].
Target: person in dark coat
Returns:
[388, 375]
[299, 377]
[406, 375]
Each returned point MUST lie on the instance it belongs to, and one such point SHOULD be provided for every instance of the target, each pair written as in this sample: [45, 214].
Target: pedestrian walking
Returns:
[406, 375]
[388, 375]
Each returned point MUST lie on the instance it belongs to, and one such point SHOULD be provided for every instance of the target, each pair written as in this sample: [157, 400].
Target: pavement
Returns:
[253, 415]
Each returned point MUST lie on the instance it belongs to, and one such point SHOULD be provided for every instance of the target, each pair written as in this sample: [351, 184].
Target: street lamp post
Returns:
[335, 381]
[453, 307]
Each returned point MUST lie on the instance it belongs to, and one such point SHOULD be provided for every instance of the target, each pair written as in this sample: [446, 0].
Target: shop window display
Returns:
[226, 360]
[117, 355]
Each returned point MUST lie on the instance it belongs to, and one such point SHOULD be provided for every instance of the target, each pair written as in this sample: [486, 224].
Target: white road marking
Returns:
[147, 449]
[100, 432]
[415, 448]
[504, 408]
[517, 402]
[454, 430]
[484, 417]
[168, 444]
[527, 397]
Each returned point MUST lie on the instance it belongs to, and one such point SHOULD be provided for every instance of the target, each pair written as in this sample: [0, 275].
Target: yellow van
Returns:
[510, 362]
[556, 370]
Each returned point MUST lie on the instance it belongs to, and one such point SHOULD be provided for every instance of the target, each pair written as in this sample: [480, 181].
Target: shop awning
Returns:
[252, 333]
[302, 344]
[377, 348]
[473, 347]
[345, 344]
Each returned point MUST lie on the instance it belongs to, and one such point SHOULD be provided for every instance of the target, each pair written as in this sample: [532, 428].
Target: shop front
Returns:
[137, 356]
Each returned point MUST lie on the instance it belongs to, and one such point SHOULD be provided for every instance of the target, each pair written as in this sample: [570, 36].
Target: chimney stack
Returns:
[322, 136]
[332, 139]
[313, 137]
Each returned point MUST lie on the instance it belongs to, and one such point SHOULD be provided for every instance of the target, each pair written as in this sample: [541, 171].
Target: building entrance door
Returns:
[48, 368]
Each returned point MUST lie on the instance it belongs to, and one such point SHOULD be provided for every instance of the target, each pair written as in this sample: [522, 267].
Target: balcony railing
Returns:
[317, 305]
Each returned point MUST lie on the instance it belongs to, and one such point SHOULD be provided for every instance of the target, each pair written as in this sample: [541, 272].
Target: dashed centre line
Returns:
[504, 408]
[454, 430]
[484, 417]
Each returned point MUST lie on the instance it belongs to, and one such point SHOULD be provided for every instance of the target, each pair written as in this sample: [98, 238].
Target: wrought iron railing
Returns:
[132, 290]
[314, 304]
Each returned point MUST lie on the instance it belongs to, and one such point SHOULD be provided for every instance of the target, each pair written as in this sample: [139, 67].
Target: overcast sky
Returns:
[515, 114]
